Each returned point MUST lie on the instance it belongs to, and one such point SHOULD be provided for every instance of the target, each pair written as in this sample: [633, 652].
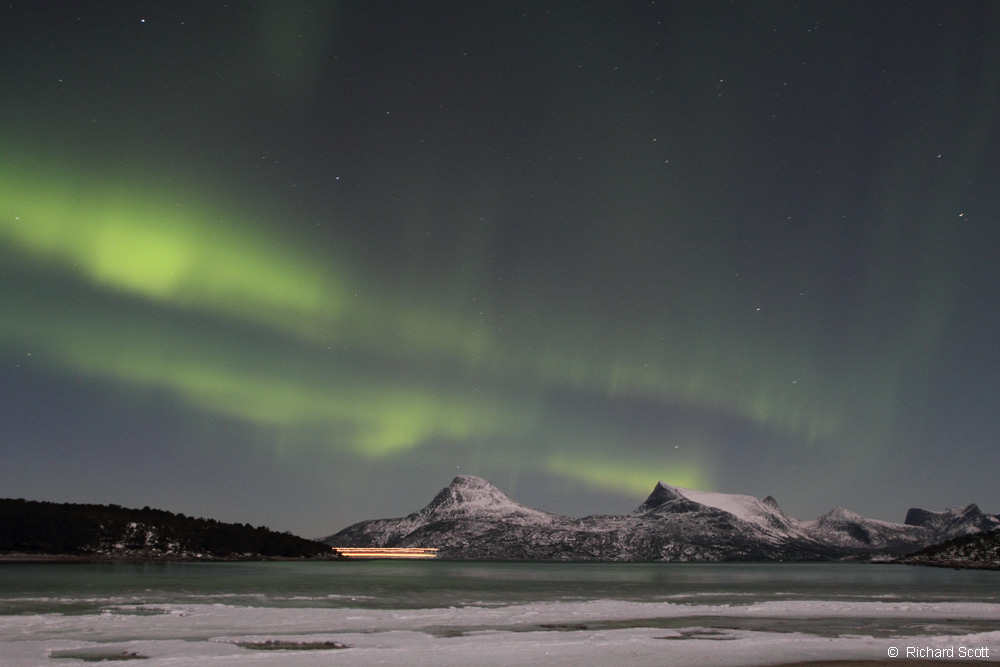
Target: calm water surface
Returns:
[85, 588]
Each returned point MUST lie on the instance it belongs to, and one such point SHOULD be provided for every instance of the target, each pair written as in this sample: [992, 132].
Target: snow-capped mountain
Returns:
[675, 523]
[474, 497]
[851, 531]
[473, 519]
[458, 514]
[953, 522]
[470, 518]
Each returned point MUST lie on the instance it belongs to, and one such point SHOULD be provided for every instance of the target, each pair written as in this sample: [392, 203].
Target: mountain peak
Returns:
[472, 518]
[952, 522]
[470, 496]
[841, 514]
[661, 495]
[765, 514]
[929, 519]
[464, 490]
[472, 482]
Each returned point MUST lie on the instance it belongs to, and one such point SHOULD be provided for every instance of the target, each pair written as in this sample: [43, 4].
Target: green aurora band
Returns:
[147, 261]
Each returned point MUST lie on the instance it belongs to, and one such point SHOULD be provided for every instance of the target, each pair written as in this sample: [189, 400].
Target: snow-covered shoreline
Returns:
[558, 633]
[443, 614]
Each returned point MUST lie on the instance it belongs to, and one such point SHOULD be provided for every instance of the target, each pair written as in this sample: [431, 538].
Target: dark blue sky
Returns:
[300, 263]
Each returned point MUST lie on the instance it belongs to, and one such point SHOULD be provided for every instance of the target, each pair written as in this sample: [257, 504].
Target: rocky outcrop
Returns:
[972, 551]
[953, 522]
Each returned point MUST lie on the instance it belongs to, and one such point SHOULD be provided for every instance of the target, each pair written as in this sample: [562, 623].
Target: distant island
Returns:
[44, 531]
[471, 519]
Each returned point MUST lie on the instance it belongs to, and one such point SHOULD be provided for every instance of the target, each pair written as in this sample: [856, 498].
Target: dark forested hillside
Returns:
[118, 532]
[978, 550]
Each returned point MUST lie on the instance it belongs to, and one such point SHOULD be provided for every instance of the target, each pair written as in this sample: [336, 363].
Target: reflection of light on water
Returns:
[409, 553]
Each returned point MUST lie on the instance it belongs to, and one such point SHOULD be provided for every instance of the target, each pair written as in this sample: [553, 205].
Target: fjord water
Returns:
[82, 588]
[503, 613]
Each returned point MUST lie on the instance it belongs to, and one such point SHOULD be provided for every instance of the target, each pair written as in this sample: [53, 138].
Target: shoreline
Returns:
[44, 558]
[55, 559]
[953, 565]
[898, 662]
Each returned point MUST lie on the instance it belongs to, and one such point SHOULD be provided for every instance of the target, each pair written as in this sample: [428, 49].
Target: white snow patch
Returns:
[746, 508]
[551, 633]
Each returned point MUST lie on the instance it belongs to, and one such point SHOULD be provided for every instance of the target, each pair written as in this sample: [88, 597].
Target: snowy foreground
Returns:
[600, 632]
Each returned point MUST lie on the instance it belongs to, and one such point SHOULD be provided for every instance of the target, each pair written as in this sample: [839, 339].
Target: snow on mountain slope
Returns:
[746, 508]
[953, 522]
[473, 519]
[850, 530]
[742, 507]
[763, 517]
[469, 496]
[458, 516]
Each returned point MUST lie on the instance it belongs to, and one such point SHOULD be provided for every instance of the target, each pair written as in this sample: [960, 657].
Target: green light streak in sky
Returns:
[259, 383]
[177, 251]
[131, 241]
[755, 387]
[633, 478]
[170, 250]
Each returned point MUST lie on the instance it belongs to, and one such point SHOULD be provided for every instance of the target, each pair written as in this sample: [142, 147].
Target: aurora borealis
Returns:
[298, 263]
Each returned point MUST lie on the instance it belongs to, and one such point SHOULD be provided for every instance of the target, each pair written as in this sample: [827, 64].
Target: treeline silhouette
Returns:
[75, 529]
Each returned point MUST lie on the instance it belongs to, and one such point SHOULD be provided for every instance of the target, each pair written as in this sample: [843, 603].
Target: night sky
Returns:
[298, 264]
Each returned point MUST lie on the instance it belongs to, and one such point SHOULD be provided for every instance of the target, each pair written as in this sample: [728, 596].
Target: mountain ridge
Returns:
[973, 550]
[473, 519]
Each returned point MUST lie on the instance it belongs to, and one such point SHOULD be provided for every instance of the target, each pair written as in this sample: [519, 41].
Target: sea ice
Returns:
[552, 633]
